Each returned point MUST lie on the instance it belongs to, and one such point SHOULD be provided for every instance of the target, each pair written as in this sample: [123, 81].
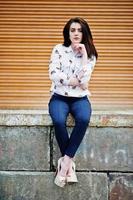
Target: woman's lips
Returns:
[76, 38]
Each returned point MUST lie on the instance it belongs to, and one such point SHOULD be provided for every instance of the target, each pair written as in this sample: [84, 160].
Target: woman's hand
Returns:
[80, 48]
[84, 86]
[74, 81]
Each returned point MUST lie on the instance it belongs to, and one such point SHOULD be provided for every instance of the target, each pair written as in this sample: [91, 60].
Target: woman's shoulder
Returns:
[58, 46]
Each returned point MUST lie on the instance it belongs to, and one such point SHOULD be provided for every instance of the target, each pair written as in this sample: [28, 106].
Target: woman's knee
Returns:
[59, 121]
[84, 121]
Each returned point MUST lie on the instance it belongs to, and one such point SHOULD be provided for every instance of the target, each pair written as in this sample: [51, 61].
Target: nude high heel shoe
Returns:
[59, 180]
[72, 177]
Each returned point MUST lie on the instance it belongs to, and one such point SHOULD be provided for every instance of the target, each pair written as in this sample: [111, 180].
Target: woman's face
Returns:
[75, 33]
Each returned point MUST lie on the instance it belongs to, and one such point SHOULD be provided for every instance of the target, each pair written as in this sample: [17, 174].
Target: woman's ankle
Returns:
[67, 159]
[65, 165]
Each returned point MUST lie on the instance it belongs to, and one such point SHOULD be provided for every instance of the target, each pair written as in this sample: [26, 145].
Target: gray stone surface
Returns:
[107, 148]
[121, 186]
[40, 186]
[28, 147]
[115, 118]
[24, 148]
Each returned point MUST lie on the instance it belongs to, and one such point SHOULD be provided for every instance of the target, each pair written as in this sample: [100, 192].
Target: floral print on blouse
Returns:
[64, 64]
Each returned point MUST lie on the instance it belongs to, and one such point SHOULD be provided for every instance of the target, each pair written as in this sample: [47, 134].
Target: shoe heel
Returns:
[59, 180]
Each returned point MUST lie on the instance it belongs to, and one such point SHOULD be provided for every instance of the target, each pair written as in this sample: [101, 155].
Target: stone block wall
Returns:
[29, 153]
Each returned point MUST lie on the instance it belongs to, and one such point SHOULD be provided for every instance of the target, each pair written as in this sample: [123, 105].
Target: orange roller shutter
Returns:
[28, 31]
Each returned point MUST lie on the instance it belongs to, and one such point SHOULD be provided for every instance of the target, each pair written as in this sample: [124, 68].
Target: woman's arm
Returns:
[55, 73]
[84, 74]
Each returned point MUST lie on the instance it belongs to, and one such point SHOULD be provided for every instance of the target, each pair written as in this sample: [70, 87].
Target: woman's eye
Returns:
[72, 30]
[80, 30]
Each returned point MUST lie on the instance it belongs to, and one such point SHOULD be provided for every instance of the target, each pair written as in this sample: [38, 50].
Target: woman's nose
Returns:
[76, 32]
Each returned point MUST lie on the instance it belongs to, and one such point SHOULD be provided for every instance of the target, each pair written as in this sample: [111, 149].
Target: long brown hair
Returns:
[87, 38]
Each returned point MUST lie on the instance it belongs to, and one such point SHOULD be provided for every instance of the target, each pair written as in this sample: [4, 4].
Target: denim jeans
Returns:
[59, 109]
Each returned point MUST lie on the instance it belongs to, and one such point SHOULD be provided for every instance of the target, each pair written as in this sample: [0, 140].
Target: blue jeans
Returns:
[59, 109]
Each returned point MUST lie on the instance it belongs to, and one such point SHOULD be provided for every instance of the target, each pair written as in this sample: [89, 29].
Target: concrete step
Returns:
[34, 148]
[40, 186]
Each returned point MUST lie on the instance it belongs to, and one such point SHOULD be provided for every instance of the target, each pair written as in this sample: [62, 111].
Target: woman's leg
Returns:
[59, 110]
[81, 111]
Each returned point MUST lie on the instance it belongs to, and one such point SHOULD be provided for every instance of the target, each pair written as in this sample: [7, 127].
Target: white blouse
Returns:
[64, 64]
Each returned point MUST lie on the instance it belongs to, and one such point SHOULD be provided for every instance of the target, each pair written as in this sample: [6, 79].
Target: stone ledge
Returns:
[40, 186]
[24, 148]
[101, 118]
[33, 148]
[103, 149]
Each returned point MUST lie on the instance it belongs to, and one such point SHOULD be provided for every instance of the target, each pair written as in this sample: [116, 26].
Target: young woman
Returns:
[70, 70]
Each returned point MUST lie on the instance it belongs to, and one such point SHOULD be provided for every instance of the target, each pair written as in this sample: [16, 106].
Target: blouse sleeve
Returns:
[55, 73]
[90, 67]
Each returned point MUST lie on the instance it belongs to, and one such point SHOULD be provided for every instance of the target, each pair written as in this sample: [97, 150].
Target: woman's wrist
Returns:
[74, 81]
[84, 59]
